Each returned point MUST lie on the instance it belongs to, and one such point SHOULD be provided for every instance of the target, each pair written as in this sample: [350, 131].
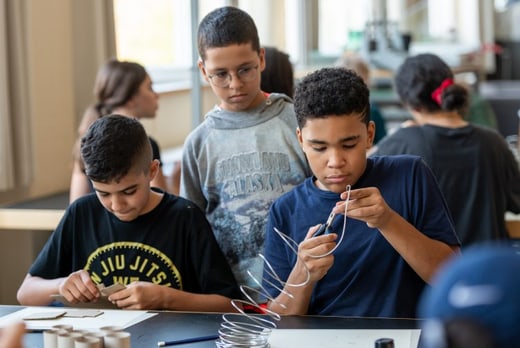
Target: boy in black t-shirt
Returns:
[158, 245]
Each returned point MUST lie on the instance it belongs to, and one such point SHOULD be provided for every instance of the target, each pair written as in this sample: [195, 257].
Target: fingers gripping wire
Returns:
[329, 222]
[249, 330]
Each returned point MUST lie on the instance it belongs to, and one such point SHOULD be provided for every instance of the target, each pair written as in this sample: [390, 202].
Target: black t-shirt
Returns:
[172, 245]
[476, 171]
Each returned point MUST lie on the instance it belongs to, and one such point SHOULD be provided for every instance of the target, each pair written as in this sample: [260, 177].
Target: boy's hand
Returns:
[310, 251]
[366, 204]
[138, 295]
[78, 287]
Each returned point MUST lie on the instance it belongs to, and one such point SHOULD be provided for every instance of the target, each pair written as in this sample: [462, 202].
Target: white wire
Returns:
[342, 231]
[250, 330]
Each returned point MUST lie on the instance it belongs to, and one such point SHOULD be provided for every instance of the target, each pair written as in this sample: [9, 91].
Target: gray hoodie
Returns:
[234, 165]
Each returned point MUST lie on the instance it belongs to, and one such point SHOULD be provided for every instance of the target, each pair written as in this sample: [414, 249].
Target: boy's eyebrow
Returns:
[342, 140]
[350, 138]
[240, 66]
[131, 187]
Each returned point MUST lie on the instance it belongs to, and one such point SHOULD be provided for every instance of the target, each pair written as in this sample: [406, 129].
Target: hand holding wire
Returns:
[314, 256]
[325, 228]
[311, 246]
[368, 205]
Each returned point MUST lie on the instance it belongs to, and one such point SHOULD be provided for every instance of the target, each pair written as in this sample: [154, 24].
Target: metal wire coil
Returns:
[250, 330]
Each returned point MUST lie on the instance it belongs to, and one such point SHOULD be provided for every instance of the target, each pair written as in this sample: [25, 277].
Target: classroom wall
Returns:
[47, 95]
[65, 44]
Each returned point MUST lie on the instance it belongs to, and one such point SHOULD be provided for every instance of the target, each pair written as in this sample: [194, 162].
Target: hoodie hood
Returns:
[272, 107]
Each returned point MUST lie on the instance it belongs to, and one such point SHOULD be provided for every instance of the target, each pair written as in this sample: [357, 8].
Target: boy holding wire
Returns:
[386, 241]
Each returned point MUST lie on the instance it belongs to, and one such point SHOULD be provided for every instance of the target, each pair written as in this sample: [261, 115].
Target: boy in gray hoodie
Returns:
[245, 153]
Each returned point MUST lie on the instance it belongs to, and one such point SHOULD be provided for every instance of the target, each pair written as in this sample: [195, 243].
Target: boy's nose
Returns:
[336, 159]
[117, 203]
[234, 81]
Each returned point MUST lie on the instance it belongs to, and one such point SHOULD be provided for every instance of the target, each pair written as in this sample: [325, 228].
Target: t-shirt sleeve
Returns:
[210, 266]
[53, 261]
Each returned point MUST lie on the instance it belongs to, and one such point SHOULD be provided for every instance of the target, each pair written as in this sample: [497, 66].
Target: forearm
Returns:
[36, 291]
[423, 254]
[178, 300]
[294, 300]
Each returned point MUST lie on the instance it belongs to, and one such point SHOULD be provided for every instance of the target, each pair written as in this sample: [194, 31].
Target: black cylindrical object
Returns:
[384, 343]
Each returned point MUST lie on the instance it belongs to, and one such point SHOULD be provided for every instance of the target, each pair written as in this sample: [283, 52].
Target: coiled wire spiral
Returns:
[249, 330]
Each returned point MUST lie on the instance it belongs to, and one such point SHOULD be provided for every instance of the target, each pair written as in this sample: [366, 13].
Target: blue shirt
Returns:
[369, 277]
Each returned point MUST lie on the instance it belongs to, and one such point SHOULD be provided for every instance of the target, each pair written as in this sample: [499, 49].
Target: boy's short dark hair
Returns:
[112, 146]
[331, 91]
[226, 26]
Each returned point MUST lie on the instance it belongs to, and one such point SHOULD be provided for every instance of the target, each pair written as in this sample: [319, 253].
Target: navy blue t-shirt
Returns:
[369, 278]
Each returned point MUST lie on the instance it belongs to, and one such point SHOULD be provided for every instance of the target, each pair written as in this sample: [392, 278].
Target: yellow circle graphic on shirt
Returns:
[125, 262]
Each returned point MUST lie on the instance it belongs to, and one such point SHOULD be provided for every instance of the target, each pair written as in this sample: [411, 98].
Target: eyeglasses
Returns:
[223, 79]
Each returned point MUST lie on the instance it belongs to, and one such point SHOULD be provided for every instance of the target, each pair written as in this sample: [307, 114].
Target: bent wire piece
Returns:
[252, 330]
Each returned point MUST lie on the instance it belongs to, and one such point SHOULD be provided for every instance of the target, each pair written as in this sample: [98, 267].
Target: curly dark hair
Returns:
[420, 75]
[113, 146]
[226, 26]
[331, 91]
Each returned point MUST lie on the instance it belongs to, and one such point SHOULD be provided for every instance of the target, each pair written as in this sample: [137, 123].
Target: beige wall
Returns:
[50, 90]
[65, 45]
[46, 95]
[173, 121]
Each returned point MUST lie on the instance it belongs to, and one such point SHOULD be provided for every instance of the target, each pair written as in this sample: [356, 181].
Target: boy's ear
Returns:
[154, 168]
[299, 136]
[202, 69]
[261, 55]
[371, 133]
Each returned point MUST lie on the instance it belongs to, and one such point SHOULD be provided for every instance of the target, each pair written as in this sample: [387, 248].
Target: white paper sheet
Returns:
[123, 318]
[281, 338]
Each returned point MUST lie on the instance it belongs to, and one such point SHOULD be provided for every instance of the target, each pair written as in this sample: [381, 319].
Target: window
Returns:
[159, 34]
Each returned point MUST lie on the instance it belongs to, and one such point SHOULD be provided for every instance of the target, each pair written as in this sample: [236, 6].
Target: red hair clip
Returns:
[436, 94]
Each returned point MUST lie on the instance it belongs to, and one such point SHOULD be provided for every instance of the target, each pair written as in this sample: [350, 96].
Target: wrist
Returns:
[60, 285]
[168, 297]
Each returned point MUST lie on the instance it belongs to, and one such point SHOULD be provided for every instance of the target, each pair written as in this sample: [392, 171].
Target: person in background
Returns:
[474, 301]
[245, 153]
[355, 62]
[278, 75]
[124, 88]
[158, 245]
[479, 110]
[398, 228]
[478, 174]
